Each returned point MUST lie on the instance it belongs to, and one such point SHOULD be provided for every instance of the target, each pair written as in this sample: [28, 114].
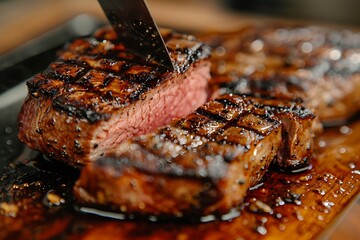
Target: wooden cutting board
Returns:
[35, 196]
[303, 205]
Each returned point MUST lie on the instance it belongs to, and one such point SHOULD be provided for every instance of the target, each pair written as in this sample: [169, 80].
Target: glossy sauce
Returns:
[38, 201]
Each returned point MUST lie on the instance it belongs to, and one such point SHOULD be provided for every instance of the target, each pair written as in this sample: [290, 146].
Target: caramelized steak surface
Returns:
[97, 94]
[201, 164]
[319, 65]
[299, 128]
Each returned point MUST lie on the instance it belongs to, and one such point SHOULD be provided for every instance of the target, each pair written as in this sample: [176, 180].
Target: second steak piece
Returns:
[202, 164]
[319, 65]
[98, 94]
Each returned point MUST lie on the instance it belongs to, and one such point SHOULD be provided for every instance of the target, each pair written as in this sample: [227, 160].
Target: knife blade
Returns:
[137, 30]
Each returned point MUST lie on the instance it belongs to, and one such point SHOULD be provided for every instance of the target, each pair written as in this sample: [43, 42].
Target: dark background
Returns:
[336, 11]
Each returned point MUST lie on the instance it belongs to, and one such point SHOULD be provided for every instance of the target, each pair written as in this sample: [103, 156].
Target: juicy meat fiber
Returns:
[97, 94]
[201, 164]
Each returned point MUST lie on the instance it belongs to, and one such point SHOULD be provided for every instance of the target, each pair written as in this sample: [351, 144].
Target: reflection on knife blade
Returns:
[137, 30]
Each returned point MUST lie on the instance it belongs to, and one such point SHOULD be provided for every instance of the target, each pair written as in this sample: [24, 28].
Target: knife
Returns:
[137, 30]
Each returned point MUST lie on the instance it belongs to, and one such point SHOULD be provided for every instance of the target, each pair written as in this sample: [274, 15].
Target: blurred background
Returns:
[336, 11]
[21, 21]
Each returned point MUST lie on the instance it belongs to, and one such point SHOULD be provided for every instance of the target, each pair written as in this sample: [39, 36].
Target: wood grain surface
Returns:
[326, 190]
[38, 202]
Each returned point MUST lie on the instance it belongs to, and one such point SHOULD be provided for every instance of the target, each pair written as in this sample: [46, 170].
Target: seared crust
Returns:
[299, 127]
[96, 86]
[93, 76]
[201, 164]
[318, 65]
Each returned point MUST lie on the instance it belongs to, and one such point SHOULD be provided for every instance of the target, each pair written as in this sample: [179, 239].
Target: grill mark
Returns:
[195, 131]
[252, 130]
[133, 97]
[210, 115]
[282, 103]
[114, 55]
[234, 123]
[266, 118]
[234, 144]
[65, 78]
[76, 63]
[228, 142]
[227, 102]
[51, 73]
[84, 64]
[107, 81]
[118, 74]
[148, 79]
[87, 112]
[109, 56]
[299, 111]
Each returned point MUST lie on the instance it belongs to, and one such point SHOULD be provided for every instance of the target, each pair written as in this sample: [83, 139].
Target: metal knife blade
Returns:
[136, 28]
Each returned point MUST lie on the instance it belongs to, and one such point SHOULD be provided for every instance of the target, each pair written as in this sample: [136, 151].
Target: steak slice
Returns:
[319, 65]
[97, 94]
[299, 128]
[201, 164]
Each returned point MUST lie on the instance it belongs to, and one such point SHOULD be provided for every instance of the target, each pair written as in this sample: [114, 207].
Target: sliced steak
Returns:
[201, 164]
[319, 65]
[97, 94]
[299, 128]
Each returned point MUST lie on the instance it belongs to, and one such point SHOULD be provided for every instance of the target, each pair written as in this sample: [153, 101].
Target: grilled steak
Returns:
[201, 164]
[97, 94]
[299, 128]
[318, 65]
